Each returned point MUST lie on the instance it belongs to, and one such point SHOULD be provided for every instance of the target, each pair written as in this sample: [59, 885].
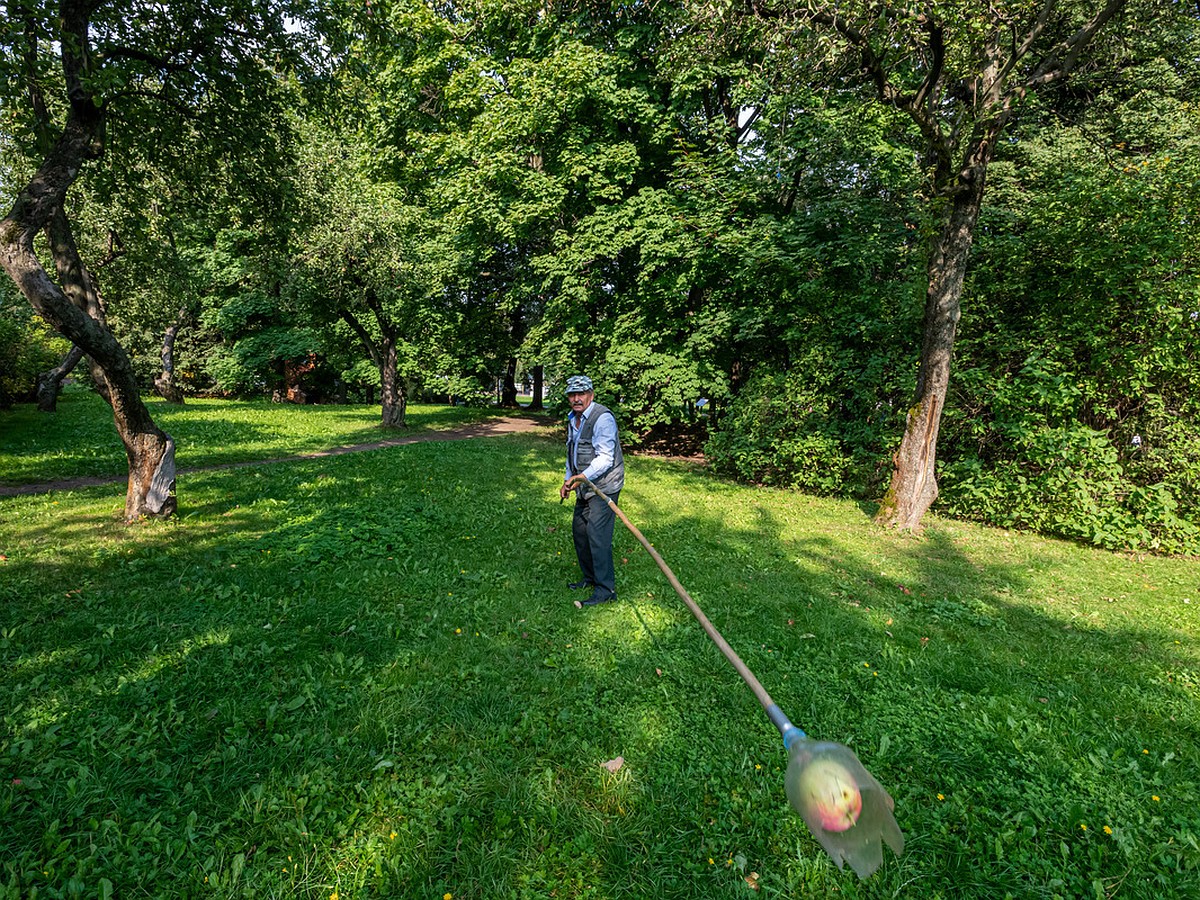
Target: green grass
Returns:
[363, 675]
[80, 440]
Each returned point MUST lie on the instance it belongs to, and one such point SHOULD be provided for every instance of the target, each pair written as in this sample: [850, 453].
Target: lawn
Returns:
[362, 676]
[80, 440]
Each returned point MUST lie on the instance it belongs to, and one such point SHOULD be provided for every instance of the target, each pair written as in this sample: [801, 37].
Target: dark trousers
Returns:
[592, 529]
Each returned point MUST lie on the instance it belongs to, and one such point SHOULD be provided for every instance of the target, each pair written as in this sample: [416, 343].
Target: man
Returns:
[594, 451]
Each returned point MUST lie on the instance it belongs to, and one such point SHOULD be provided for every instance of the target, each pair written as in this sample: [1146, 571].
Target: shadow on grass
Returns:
[79, 441]
[364, 674]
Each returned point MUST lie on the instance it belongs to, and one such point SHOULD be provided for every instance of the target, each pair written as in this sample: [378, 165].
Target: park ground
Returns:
[361, 675]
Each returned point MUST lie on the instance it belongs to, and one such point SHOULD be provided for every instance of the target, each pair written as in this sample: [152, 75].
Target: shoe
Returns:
[579, 585]
[597, 597]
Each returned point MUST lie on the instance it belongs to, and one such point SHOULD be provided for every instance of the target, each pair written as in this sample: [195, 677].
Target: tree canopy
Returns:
[940, 255]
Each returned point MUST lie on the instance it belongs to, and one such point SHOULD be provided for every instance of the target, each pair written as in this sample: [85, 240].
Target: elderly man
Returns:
[594, 451]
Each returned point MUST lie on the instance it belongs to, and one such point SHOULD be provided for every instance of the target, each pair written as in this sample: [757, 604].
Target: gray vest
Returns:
[614, 479]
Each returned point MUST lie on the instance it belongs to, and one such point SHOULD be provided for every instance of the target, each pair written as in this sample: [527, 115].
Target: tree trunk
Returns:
[165, 384]
[49, 383]
[536, 401]
[79, 286]
[150, 452]
[508, 390]
[392, 397]
[914, 484]
[392, 394]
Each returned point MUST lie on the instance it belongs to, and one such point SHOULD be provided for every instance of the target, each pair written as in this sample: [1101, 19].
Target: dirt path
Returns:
[487, 428]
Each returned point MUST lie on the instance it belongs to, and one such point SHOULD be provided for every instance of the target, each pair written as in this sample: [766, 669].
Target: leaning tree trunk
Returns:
[150, 452]
[79, 286]
[49, 383]
[164, 382]
[914, 482]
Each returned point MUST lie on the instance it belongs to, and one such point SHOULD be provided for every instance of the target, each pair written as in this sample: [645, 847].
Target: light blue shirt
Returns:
[604, 440]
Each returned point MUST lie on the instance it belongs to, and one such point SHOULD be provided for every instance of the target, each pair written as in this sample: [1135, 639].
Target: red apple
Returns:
[828, 790]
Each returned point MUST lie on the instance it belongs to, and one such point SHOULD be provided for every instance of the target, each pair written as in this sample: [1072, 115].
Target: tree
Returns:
[121, 66]
[374, 259]
[961, 72]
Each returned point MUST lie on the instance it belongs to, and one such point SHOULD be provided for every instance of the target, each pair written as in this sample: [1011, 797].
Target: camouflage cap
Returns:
[578, 383]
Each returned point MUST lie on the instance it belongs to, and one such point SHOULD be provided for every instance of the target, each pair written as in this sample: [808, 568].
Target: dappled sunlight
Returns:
[371, 664]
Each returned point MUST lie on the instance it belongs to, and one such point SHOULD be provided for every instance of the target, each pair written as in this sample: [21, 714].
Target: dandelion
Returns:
[447, 896]
[941, 796]
[710, 861]
[1154, 797]
[1145, 751]
[1082, 826]
[458, 631]
[392, 836]
[1107, 830]
[757, 766]
[333, 896]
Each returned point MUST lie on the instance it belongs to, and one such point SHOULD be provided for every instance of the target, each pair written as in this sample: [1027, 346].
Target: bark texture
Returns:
[508, 390]
[392, 394]
[914, 481]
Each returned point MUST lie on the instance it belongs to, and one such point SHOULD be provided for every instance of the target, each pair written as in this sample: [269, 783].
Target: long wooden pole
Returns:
[789, 731]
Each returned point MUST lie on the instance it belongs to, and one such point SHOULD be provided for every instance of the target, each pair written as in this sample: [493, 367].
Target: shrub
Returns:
[780, 431]
[27, 347]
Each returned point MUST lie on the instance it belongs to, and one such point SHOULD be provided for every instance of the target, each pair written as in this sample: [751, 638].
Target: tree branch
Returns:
[363, 335]
[1064, 57]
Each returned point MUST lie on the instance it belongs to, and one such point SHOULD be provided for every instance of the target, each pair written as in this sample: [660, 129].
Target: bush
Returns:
[1026, 458]
[781, 431]
[28, 347]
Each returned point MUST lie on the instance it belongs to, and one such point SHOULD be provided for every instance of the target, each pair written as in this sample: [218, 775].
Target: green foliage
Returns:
[1076, 411]
[362, 675]
[27, 348]
[779, 433]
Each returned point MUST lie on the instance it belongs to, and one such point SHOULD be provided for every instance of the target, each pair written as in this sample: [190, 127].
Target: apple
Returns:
[827, 789]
